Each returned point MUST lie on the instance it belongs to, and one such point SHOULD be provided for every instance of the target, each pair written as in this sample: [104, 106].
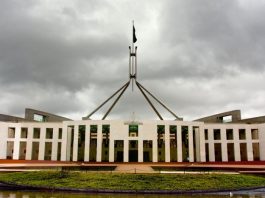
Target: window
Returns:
[229, 134]
[36, 133]
[227, 119]
[242, 134]
[160, 135]
[49, 133]
[206, 134]
[254, 134]
[217, 134]
[93, 129]
[39, 118]
[105, 128]
[24, 133]
[60, 133]
[172, 129]
[105, 135]
[11, 132]
[133, 130]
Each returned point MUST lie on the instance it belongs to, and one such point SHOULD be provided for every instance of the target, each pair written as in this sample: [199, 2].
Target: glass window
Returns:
[60, 133]
[49, 133]
[39, 118]
[206, 134]
[229, 134]
[93, 129]
[24, 132]
[242, 134]
[217, 134]
[133, 130]
[11, 132]
[254, 134]
[36, 133]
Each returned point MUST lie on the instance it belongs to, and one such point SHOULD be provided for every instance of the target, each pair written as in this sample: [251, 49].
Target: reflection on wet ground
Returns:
[259, 193]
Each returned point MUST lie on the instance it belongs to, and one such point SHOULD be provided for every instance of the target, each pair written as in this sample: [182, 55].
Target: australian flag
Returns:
[134, 36]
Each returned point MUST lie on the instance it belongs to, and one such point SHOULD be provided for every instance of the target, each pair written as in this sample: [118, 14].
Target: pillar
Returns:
[191, 151]
[167, 144]
[87, 143]
[16, 143]
[55, 144]
[249, 144]
[75, 143]
[236, 144]
[42, 143]
[211, 145]
[66, 143]
[155, 150]
[140, 151]
[126, 150]
[111, 150]
[202, 144]
[99, 143]
[29, 144]
[179, 143]
[224, 145]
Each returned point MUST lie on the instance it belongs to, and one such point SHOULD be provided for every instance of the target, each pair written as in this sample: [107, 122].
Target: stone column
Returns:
[202, 144]
[140, 150]
[261, 128]
[224, 145]
[191, 151]
[42, 143]
[16, 143]
[87, 143]
[197, 144]
[55, 144]
[3, 144]
[167, 144]
[65, 155]
[179, 143]
[249, 144]
[155, 150]
[211, 145]
[111, 150]
[99, 143]
[236, 144]
[75, 143]
[29, 144]
[126, 150]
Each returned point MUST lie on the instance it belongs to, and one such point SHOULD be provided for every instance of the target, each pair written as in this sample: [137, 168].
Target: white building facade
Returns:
[123, 141]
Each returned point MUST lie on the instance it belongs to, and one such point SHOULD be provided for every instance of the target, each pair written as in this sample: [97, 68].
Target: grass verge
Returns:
[81, 180]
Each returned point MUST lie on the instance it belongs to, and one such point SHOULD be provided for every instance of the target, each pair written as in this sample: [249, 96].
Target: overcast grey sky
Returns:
[199, 57]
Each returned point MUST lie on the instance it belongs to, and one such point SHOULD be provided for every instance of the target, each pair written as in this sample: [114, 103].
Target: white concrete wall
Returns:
[3, 140]
[261, 128]
[119, 131]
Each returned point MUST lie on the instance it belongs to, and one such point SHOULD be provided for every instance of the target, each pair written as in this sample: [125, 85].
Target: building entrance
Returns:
[119, 156]
[118, 150]
[133, 156]
[133, 151]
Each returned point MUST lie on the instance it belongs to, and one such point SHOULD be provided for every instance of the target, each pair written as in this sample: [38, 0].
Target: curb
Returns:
[11, 186]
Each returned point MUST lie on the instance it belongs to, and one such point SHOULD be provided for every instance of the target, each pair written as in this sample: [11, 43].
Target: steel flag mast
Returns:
[133, 81]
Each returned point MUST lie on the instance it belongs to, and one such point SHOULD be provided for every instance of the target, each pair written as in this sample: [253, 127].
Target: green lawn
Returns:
[132, 181]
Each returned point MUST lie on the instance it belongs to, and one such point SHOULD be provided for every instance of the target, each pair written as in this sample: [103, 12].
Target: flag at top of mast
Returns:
[134, 36]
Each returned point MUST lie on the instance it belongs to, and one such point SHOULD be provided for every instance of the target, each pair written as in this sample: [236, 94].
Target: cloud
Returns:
[66, 57]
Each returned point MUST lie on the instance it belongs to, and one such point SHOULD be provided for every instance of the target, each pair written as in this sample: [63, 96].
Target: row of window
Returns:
[230, 134]
[36, 133]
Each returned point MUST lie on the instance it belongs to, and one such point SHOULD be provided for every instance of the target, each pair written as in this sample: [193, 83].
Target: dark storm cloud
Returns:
[31, 51]
[212, 38]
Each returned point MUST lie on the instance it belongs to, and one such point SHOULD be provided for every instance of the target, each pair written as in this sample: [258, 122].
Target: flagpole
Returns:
[132, 56]
[132, 37]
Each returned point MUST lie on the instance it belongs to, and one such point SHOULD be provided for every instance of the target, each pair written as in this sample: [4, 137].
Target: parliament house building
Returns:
[223, 137]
